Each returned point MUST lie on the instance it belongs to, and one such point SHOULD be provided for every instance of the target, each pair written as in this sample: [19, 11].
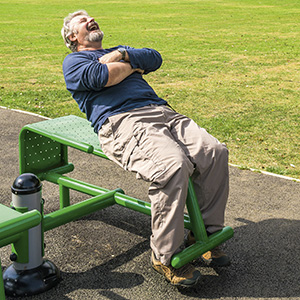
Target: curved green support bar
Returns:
[199, 248]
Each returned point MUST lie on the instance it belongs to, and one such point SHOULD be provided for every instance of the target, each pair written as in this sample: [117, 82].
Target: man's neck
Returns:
[90, 47]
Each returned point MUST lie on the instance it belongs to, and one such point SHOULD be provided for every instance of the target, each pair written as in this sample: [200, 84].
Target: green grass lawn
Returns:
[231, 65]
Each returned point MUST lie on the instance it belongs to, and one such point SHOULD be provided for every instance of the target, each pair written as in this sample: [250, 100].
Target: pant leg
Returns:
[210, 158]
[140, 141]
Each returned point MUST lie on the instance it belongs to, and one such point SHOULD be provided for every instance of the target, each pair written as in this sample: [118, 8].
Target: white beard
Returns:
[95, 36]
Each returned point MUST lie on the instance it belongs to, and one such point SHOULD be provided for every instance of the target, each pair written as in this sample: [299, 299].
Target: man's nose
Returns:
[90, 19]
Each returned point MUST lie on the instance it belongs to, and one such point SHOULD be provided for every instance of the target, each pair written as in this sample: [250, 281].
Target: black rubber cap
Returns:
[26, 183]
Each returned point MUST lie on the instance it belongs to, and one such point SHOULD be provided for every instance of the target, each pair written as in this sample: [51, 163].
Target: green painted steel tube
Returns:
[22, 164]
[81, 186]
[60, 170]
[187, 222]
[100, 153]
[77, 185]
[141, 206]
[196, 219]
[197, 249]
[93, 190]
[64, 169]
[19, 224]
[64, 196]
[78, 210]
[132, 203]
[11, 239]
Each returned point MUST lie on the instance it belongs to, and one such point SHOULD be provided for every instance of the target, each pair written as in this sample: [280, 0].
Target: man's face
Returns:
[86, 29]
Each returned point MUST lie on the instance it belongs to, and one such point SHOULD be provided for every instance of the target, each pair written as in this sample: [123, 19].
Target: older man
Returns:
[141, 133]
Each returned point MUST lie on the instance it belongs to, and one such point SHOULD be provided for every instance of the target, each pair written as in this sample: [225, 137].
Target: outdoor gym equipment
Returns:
[13, 226]
[43, 152]
[30, 273]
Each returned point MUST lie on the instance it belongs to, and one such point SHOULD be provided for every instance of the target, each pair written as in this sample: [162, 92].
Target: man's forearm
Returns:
[146, 59]
[118, 71]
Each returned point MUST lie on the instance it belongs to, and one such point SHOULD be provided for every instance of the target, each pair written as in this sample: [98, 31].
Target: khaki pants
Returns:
[166, 148]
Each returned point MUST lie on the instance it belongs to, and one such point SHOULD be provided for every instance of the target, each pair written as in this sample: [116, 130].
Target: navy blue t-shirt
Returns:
[85, 78]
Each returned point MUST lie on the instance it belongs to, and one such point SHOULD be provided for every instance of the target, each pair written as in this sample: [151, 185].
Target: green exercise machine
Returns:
[43, 155]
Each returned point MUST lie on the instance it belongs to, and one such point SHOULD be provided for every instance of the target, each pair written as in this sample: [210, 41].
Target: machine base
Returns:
[30, 282]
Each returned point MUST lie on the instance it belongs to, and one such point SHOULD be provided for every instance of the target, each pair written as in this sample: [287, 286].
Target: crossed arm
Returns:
[118, 70]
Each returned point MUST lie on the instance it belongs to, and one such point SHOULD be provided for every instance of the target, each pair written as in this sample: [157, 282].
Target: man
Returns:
[138, 131]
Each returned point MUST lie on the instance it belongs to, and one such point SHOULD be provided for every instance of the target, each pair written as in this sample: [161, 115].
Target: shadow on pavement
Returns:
[265, 263]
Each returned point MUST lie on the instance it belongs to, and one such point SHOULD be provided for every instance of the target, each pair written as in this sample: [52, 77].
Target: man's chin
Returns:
[95, 36]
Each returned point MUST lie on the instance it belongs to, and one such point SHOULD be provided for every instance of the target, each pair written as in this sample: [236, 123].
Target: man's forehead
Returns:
[77, 19]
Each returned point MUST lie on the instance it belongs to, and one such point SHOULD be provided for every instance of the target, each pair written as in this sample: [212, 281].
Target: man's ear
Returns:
[72, 37]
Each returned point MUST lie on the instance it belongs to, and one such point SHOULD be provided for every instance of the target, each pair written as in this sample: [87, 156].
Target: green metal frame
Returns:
[14, 227]
[44, 152]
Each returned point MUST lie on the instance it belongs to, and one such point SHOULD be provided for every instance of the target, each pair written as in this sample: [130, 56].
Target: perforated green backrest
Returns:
[43, 145]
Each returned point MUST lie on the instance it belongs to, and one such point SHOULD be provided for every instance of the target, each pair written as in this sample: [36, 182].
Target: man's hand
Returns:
[116, 56]
[113, 56]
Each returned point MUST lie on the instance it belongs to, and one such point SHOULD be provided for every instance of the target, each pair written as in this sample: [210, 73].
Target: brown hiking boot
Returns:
[185, 276]
[215, 257]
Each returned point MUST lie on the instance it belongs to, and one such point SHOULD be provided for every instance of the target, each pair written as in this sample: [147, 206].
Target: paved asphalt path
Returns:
[106, 254]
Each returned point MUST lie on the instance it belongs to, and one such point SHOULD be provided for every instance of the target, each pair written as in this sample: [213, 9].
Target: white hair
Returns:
[66, 31]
